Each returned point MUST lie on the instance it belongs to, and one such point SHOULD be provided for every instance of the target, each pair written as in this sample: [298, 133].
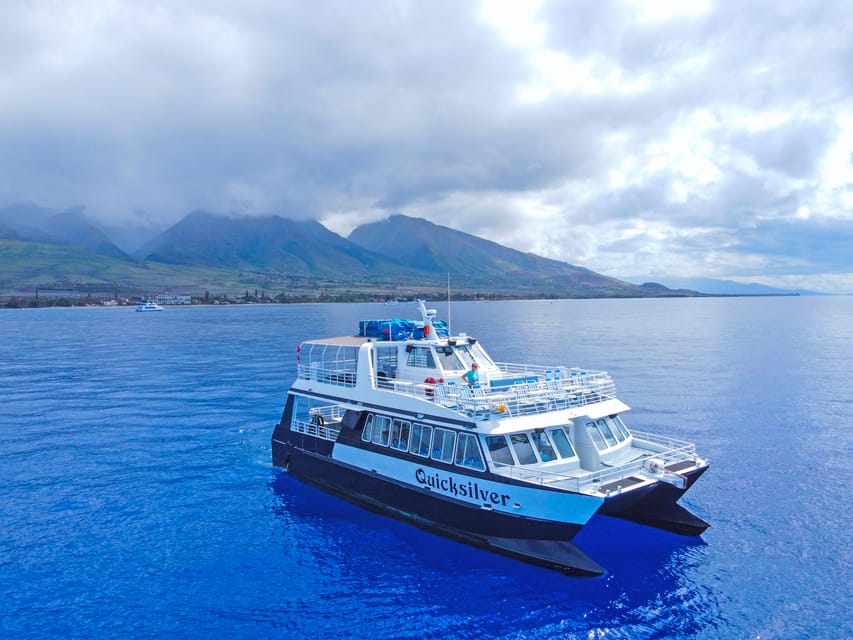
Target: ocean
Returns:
[139, 500]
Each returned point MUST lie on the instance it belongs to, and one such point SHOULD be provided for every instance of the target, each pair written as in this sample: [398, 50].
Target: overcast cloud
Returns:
[709, 139]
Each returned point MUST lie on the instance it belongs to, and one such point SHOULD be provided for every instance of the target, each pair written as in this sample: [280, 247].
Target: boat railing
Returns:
[521, 392]
[519, 389]
[341, 373]
[317, 428]
[526, 390]
[330, 413]
[668, 450]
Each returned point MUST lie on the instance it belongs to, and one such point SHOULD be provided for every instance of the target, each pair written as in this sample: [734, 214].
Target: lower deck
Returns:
[548, 457]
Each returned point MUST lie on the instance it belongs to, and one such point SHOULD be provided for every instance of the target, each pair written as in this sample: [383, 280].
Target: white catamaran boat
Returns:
[516, 463]
[148, 305]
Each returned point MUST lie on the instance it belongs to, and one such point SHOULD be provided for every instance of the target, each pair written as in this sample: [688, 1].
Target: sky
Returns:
[639, 139]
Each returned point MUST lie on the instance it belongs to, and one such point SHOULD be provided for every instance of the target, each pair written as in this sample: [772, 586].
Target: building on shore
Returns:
[171, 298]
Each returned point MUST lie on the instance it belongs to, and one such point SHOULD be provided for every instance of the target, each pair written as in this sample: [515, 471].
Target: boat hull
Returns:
[542, 542]
[657, 506]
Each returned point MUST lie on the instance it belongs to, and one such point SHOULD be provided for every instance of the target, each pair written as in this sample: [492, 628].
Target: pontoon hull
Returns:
[542, 542]
[657, 506]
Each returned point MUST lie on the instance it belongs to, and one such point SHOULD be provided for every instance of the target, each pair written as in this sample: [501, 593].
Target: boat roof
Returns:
[348, 341]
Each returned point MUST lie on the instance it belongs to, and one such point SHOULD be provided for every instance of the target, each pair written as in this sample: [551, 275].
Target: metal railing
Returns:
[669, 450]
[526, 390]
[522, 391]
[313, 428]
[517, 390]
[341, 374]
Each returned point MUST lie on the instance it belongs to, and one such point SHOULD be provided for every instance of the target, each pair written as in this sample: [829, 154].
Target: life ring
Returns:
[429, 392]
[318, 420]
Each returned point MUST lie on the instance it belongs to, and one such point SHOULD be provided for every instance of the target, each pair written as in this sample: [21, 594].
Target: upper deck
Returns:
[414, 369]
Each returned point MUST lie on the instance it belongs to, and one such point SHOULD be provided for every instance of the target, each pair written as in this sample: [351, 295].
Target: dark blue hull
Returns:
[657, 506]
[542, 542]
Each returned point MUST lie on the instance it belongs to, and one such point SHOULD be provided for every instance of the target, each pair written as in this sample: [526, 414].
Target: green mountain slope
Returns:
[263, 244]
[420, 244]
[401, 256]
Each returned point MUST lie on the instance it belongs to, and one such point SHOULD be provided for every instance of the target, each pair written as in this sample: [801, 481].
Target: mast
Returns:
[449, 332]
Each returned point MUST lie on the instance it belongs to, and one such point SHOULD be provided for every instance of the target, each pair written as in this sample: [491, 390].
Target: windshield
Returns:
[459, 357]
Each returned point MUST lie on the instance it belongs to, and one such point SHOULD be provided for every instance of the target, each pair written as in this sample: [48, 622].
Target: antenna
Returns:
[449, 332]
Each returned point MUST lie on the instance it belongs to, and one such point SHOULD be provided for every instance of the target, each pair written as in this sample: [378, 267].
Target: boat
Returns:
[148, 305]
[517, 462]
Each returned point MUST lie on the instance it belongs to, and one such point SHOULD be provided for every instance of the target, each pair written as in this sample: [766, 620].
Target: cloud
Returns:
[707, 138]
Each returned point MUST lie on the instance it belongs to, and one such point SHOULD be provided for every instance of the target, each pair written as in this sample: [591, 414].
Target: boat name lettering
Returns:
[470, 489]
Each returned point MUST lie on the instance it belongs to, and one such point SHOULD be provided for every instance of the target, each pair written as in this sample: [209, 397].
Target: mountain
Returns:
[24, 221]
[713, 286]
[31, 223]
[72, 227]
[422, 245]
[47, 250]
[262, 244]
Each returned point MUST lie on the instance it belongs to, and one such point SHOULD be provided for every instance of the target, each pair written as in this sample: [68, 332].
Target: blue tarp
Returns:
[398, 329]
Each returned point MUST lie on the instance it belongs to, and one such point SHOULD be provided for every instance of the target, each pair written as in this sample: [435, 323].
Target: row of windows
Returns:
[517, 448]
[451, 358]
[424, 441]
[607, 432]
[526, 446]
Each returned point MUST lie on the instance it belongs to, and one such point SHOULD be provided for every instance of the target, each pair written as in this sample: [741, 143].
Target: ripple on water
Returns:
[139, 500]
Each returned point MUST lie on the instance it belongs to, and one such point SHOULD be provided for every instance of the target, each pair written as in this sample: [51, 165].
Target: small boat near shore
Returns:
[517, 462]
[148, 305]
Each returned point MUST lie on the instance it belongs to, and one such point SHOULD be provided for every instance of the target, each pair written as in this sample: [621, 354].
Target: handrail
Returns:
[588, 479]
[310, 428]
[338, 376]
[522, 389]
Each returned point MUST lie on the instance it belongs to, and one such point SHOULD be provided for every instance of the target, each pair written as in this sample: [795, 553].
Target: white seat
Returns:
[474, 399]
[446, 394]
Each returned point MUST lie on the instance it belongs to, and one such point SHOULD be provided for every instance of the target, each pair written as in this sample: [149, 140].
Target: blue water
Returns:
[138, 499]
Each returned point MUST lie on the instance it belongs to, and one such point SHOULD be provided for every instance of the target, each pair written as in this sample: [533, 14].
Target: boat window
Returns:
[480, 355]
[421, 436]
[467, 353]
[499, 450]
[368, 428]
[386, 361]
[400, 434]
[381, 430]
[615, 429]
[621, 426]
[420, 357]
[546, 451]
[605, 431]
[561, 441]
[468, 452]
[442, 445]
[523, 450]
[596, 436]
[447, 359]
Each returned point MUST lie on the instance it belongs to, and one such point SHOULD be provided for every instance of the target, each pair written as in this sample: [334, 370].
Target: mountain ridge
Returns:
[399, 256]
[28, 222]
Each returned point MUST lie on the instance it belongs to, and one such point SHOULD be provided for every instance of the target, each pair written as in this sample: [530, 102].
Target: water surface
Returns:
[139, 500]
